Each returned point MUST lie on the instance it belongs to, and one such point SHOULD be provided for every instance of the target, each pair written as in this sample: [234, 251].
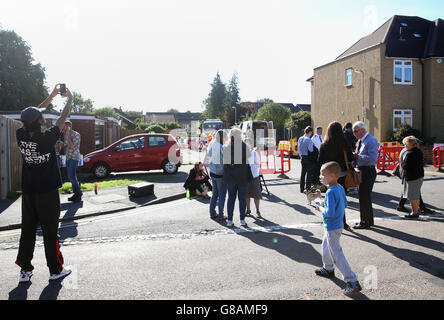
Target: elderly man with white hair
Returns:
[366, 156]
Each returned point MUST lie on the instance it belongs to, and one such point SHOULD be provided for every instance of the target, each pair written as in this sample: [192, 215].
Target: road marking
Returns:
[105, 217]
[181, 236]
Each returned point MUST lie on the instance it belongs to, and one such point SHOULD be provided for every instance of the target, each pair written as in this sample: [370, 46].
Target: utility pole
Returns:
[235, 114]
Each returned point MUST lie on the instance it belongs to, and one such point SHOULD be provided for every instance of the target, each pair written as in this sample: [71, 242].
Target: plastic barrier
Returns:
[438, 157]
[269, 164]
[388, 158]
[268, 161]
[390, 144]
[284, 145]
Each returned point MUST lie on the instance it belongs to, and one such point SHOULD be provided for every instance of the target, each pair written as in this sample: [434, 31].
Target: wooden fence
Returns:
[10, 157]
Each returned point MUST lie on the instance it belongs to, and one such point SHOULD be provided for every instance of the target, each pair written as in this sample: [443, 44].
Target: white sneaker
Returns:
[65, 272]
[229, 223]
[25, 276]
[243, 223]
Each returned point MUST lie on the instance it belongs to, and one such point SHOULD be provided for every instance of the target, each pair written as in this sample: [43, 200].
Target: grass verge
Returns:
[105, 184]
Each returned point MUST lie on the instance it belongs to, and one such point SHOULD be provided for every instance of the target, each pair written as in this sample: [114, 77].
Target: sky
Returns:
[154, 55]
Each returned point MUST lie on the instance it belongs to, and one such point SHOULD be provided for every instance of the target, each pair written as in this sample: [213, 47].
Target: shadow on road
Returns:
[417, 259]
[5, 204]
[282, 242]
[21, 292]
[52, 290]
[300, 209]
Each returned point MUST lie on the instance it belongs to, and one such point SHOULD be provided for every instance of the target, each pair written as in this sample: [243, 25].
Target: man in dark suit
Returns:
[366, 156]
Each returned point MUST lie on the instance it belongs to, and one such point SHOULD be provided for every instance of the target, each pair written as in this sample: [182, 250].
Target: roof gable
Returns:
[405, 37]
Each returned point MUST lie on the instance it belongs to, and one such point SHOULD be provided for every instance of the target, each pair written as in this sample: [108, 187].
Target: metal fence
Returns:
[10, 157]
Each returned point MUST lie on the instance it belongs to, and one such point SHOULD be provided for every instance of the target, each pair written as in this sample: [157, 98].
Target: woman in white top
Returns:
[254, 187]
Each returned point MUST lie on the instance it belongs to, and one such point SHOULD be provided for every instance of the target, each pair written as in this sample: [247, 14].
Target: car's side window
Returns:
[131, 144]
[157, 141]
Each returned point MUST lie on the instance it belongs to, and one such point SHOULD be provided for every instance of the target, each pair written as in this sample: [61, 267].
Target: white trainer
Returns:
[229, 223]
[65, 272]
[25, 276]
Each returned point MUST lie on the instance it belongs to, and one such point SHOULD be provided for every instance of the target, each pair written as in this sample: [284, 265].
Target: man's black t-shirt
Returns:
[40, 172]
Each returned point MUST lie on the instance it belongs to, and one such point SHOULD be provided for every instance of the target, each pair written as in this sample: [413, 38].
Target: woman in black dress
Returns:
[336, 148]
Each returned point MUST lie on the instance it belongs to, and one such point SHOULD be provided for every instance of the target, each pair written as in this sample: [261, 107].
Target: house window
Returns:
[348, 77]
[402, 117]
[403, 72]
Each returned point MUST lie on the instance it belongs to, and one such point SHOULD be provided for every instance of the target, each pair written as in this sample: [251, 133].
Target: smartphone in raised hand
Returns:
[62, 88]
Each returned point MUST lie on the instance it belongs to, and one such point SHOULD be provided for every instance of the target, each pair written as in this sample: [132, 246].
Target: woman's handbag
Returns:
[353, 178]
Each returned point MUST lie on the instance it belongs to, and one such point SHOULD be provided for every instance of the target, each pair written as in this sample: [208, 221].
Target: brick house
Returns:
[401, 65]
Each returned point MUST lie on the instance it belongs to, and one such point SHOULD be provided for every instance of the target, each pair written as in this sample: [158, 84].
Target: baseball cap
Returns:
[31, 114]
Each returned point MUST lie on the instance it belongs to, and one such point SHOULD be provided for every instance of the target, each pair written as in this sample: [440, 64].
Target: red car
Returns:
[139, 152]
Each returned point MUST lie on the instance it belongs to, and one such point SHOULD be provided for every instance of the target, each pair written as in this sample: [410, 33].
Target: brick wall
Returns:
[428, 154]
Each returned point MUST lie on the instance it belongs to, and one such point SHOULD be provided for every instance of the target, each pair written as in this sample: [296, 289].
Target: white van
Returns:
[261, 131]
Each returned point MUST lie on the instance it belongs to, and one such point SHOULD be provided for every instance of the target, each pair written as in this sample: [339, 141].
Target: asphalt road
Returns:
[175, 251]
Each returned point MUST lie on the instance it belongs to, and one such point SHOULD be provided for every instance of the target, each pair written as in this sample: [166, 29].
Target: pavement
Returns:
[107, 201]
[166, 188]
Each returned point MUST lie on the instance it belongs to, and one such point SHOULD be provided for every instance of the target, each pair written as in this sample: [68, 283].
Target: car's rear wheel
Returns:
[170, 167]
[101, 170]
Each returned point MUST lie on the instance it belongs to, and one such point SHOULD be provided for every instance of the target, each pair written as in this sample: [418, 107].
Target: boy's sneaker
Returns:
[243, 223]
[229, 223]
[65, 272]
[351, 288]
[25, 276]
[325, 273]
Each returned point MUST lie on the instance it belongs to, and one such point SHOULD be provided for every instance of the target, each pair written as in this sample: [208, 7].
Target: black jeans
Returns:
[306, 174]
[365, 195]
[41, 208]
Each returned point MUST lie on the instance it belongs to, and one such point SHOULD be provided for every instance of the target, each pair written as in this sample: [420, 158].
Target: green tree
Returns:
[265, 100]
[232, 99]
[172, 110]
[81, 105]
[21, 80]
[298, 122]
[106, 112]
[214, 104]
[278, 114]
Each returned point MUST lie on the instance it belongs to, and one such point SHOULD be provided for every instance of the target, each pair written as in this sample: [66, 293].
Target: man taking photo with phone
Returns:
[73, 158]
[40, 187]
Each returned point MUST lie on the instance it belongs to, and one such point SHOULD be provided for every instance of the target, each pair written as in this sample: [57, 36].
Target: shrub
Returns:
[403, 132]
[171, 126]
[157, 128]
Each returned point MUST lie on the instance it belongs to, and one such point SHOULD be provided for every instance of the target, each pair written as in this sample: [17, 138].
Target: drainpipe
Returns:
[362, 85]
[422, 97]
[9, 154]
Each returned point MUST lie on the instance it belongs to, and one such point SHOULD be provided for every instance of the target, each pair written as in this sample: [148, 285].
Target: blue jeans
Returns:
[71, 166]
[241, 191]
[218, 197]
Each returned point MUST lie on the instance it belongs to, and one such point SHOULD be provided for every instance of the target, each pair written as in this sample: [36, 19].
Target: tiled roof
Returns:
[405, 37]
